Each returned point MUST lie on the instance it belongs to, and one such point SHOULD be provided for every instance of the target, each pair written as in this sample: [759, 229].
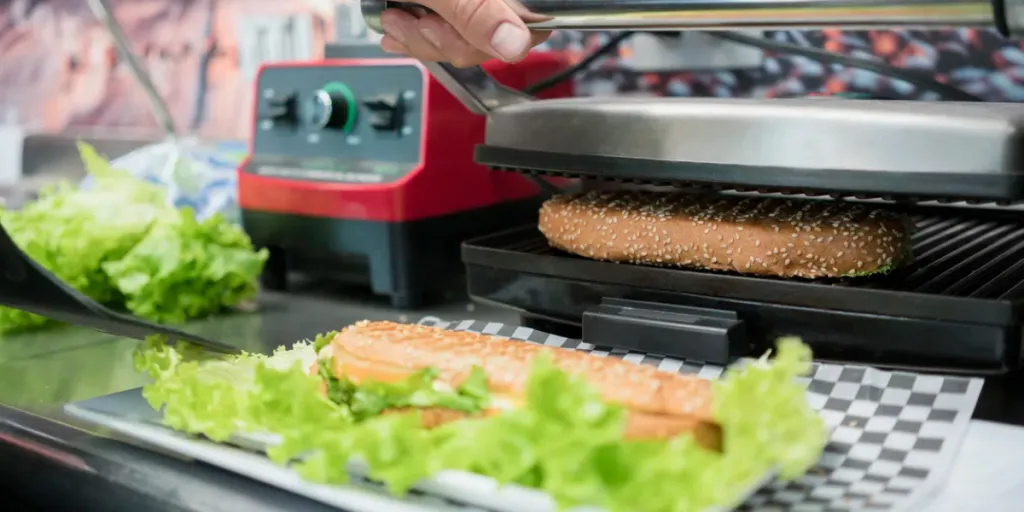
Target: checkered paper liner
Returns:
[894, 435]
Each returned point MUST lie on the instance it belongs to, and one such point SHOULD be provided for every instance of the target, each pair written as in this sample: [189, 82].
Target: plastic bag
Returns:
[198, 175]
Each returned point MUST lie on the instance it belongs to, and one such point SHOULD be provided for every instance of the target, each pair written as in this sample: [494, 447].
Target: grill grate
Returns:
[962, 257]
[956, 256]
[806, 192]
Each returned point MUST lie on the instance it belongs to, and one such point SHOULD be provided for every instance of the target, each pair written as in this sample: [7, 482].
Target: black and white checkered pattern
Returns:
[895, 434]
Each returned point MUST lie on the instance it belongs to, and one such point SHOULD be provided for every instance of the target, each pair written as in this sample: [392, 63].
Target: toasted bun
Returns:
[394, 347]
[764, 236]
[639, 426]
[660, 404]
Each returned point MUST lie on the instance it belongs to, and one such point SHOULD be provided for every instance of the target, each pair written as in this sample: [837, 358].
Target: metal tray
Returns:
[873, 148]
[128, 414]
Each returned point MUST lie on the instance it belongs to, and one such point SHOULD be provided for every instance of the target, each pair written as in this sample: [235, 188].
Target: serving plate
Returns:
[893, 438]
[127, 414]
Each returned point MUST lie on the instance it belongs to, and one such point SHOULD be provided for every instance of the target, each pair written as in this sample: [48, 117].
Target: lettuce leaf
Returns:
[120, 243]
[185, 269]
[418, 390]
[564, 440]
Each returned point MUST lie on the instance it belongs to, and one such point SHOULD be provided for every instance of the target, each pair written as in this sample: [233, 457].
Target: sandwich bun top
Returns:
[388, 351]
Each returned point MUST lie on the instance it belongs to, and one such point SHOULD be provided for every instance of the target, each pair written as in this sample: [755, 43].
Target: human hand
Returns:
[462, 32]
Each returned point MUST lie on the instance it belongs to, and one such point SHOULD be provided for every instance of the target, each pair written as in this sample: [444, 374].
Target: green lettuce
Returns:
[121, 244]
[371, 398]
[564, 440]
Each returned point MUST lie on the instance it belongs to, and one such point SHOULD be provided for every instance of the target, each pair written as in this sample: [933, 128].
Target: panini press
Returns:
[956, 168]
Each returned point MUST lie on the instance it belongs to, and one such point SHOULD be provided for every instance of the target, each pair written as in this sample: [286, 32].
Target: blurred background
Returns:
[61, 74]
[63, 79]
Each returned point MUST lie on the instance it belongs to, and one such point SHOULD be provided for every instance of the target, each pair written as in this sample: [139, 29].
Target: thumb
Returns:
[489, 25]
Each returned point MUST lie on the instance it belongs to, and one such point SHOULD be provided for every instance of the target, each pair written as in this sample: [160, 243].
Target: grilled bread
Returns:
[751, 235]
[659, 404]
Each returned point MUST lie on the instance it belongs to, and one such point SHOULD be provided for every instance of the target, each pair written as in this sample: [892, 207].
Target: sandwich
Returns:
[658, 405]
[401, 403]
[748, 235]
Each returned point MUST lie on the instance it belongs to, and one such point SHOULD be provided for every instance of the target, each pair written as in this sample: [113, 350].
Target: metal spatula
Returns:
[26, 285]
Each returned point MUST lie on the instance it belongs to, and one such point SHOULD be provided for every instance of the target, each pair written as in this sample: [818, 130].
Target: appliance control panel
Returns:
[338, 123]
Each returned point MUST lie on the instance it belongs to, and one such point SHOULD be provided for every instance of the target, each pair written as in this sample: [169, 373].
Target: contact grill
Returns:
[957, 169]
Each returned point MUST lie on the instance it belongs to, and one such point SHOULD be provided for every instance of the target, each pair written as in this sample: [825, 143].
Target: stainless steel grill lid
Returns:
[947, 150]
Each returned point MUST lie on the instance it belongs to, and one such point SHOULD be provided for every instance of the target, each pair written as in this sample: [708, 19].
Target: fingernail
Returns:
[391, 29]
[510, 41]
[431, 36]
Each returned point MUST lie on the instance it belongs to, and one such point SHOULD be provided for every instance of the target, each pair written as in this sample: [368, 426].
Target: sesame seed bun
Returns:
[751, 235]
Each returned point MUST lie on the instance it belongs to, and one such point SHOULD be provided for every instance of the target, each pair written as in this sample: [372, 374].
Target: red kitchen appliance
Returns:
[361, 170]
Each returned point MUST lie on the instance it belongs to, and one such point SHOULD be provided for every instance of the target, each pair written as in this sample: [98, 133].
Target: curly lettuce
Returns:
[120, 243]
[564, 440]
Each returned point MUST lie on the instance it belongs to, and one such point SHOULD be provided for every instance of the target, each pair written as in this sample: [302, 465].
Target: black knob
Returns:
[386, 112]
[280, 108]
[333, 107]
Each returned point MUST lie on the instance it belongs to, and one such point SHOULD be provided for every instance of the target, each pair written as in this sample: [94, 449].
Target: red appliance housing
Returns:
[362, 170]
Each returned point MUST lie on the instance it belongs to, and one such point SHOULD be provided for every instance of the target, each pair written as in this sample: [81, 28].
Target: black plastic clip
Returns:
[707, 335]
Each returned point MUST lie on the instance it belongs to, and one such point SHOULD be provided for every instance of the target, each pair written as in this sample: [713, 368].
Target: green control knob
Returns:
[334, 108]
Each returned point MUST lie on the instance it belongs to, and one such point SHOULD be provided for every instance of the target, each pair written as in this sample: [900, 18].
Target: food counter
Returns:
[51, 460]
[48, 459]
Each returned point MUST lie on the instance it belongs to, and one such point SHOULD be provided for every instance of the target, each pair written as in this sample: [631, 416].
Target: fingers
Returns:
[450, 43]
[391, 45]
[490, 26]
[402, 35]
[431, 38]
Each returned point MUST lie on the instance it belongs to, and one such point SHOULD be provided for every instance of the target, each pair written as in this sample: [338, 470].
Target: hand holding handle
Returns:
[481, 94]
[678, 15]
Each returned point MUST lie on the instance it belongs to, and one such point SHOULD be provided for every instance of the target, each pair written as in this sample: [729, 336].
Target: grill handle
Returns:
[474, 87]
[694, 334]
[752, 14]
[481, 94]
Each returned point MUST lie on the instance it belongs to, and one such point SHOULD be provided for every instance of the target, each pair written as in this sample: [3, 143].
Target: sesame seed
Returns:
[661, 229]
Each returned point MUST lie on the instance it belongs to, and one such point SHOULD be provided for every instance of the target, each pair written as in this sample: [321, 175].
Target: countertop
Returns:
[48, 457]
